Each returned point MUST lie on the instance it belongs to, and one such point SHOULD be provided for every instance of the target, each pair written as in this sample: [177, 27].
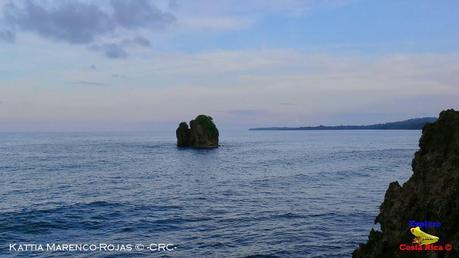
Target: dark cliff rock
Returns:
[183, 135]
[431, 194]
[202, 133]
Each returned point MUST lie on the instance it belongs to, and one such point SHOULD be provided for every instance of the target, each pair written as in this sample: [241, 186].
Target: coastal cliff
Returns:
[431, 194]
[410, 124]
[202, 133]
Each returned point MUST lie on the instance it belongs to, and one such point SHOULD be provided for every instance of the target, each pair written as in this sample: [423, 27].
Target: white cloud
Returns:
[170, 87]
[84, 23]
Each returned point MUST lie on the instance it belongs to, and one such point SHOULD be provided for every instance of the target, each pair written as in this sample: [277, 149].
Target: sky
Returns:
[116, 65]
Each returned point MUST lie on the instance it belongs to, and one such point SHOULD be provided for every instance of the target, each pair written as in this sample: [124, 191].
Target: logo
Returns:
[422, 238]
[424, 224]
[424, 241]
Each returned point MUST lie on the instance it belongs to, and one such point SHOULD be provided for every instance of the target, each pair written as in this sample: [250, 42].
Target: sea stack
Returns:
[431, 194]
[202, 133]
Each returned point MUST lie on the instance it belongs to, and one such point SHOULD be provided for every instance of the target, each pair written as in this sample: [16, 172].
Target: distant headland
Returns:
[410, 124]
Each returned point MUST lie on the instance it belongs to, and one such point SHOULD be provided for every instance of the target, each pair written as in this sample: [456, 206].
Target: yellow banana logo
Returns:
[421, 237]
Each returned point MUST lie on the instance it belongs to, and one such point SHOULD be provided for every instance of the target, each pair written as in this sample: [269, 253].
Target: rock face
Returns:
[202, 133]
[431, 194]
[183, 135]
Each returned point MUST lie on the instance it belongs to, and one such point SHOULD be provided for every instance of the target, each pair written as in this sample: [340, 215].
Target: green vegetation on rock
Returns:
[208, 123]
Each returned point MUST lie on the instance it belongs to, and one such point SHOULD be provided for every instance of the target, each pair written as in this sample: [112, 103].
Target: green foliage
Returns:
[208, 123]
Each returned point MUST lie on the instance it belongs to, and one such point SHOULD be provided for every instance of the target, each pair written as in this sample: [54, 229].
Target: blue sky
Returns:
[361, 26]
[140, 65]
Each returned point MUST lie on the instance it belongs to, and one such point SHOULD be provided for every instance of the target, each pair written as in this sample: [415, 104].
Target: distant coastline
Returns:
[410, 124]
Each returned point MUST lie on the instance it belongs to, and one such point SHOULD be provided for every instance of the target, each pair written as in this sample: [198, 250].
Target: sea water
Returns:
[279, 193]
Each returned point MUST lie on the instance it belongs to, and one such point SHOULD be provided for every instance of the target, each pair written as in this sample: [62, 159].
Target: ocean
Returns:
[278, 193]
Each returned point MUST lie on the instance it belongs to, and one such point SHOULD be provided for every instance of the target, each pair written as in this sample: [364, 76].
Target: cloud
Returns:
[140, 41]
[247, 112]
[73, 22]
[7, 36]
[173, 4]
[139, 13]
[215, 23]
[114, 51]
[117, 50]
[202, 8]
[242, 88]
[89, 83]
[119, 76]
[111, 50]
[83, 22]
